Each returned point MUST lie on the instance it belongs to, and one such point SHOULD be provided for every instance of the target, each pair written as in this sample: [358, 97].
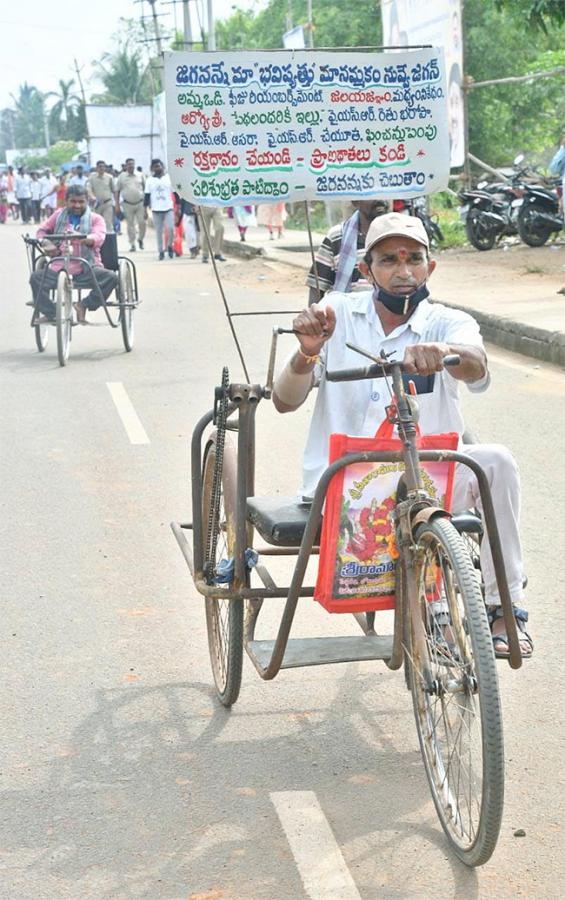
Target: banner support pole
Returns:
[314, 266]
[222, 294]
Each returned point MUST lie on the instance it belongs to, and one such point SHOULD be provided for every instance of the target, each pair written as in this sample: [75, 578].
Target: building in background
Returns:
[116, 132]
[408, 22]
[12, 156]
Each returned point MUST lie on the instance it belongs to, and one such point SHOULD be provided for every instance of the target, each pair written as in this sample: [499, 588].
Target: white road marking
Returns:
[130, 420]
[318, 857]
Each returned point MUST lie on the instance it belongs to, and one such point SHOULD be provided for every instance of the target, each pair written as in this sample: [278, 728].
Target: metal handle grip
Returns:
[379, 369]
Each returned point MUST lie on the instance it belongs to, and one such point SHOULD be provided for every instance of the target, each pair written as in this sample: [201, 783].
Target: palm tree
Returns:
[29, 122]
[124, 76]
[7, 128]
[65, 111]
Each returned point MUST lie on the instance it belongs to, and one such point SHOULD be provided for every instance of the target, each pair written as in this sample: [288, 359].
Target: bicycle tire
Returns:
[125, 288]
[63, 317]
[224, 616]
[41, 337]
[41, 331]
[455, 659]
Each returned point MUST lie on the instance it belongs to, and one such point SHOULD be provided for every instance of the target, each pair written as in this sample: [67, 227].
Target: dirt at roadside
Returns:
[513, 281]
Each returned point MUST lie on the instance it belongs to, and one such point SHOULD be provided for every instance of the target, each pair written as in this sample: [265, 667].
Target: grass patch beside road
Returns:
[443, 205]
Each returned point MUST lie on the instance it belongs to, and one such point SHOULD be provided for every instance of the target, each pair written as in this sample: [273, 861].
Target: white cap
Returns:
[396, 225]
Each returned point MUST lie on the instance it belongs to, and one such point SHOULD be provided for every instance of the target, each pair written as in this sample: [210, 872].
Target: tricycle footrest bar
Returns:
[324, 650]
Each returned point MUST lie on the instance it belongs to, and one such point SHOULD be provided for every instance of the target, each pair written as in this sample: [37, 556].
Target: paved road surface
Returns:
[121, 776]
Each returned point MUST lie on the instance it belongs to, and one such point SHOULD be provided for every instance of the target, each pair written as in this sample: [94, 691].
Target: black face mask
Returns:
[401, 304]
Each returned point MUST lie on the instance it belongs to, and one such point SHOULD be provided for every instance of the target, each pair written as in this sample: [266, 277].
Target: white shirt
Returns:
[48, 190]
[159, 190]
[357, 408]
[81, 180]
[22, 185]
[35, 188]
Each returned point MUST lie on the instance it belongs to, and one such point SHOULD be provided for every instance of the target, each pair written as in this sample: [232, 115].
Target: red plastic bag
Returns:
[358, 553]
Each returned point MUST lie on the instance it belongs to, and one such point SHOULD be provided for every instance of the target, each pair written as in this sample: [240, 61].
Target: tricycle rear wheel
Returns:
[224, 616]
[126, 298]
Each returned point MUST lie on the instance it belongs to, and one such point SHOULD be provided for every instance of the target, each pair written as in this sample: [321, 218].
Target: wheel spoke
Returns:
[224, 615]
[446, 676]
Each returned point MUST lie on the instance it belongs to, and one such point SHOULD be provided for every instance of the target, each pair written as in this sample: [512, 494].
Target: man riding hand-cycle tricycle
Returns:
[73, 251]
[396, 318]
[455, 591]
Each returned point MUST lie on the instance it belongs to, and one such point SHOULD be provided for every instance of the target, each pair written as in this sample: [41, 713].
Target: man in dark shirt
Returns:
[337, 270]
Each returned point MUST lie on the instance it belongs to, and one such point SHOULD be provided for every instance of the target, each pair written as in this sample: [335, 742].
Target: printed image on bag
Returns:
[358, 551]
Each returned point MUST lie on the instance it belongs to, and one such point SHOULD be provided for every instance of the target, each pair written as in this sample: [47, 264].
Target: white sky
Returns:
[40, 38]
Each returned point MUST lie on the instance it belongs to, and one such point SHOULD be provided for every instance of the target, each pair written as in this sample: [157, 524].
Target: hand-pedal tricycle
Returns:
[445, 647]
[64, 265]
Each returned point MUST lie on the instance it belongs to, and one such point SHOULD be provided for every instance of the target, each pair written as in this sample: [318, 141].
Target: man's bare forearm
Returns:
[473, 366]
[294, 372]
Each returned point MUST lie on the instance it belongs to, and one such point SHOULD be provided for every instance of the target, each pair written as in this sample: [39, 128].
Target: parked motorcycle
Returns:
[539, 215]
[491, 211]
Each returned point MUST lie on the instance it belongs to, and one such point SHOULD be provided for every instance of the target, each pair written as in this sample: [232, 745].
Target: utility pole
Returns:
[80, 84]
[465, 96]
[156, 26]
[46, 128]
[83, 95]
[211, 27]
[289, 20]
[187, 26]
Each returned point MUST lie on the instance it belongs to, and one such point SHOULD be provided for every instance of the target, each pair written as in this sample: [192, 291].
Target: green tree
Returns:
[129, 72]
[29, 119]
[334, 26]
[541, 14]
[66, 117]
[503, 119]
[61, 152]
[124, 76]
[7, 131]
[506, 119]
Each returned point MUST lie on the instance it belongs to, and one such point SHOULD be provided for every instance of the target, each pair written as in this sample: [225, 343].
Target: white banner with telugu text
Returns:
[259, 127]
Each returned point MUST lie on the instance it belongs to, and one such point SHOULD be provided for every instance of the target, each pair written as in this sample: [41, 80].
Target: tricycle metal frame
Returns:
[244, 399]
[66, 259]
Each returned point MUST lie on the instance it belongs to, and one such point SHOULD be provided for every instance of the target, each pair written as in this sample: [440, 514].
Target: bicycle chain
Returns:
[220, 420]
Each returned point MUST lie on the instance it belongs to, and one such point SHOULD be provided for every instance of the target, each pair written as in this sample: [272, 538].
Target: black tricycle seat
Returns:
[281, 520]
[109, 252]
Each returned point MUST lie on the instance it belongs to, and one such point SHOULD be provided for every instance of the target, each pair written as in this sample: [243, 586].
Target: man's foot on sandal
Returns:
[500, 637]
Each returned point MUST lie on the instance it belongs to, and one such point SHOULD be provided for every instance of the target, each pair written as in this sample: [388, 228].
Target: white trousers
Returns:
[504, 480]
[190, 232]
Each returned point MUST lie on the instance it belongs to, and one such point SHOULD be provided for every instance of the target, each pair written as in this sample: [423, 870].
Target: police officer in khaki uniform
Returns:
[101, 188]
[130, 186]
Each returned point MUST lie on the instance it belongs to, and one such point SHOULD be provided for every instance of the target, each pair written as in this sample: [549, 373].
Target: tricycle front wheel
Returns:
[224, 616]
[64, 317]
[455, 692]
[41, 336]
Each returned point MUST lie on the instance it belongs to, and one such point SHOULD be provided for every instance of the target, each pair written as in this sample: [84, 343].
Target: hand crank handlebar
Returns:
[67, 236]
[379, 370]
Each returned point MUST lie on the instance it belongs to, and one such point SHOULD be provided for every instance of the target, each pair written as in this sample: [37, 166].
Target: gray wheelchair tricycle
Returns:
[124, 298]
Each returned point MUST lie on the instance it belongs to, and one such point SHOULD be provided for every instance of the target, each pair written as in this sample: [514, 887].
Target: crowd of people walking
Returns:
[124, 198]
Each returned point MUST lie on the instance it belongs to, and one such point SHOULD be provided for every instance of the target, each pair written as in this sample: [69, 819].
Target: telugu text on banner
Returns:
[263, 127]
